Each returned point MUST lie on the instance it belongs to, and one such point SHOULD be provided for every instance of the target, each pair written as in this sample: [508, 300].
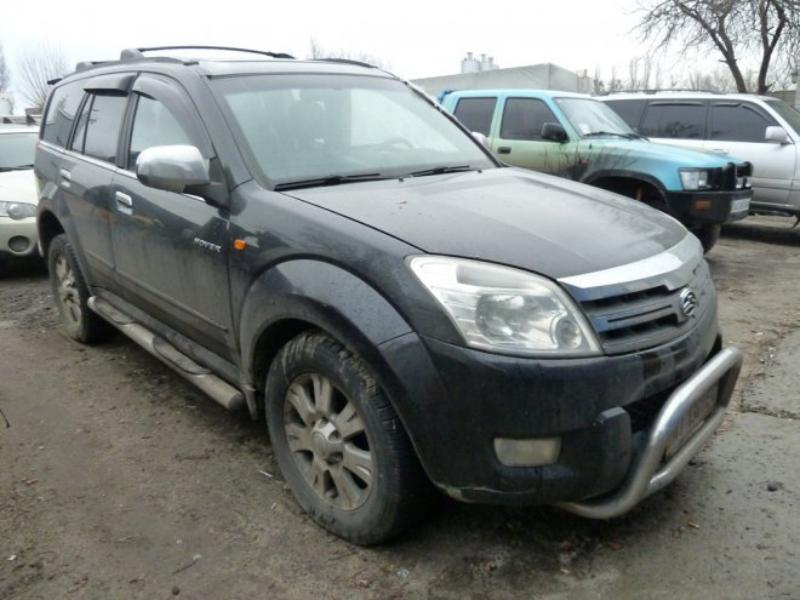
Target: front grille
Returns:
[731, 177]
[649, 317]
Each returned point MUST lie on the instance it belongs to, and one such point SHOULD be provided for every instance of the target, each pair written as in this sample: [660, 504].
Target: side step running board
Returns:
[221, 391]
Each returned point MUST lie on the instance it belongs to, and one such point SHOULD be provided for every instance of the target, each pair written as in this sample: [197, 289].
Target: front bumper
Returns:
[456, 401]
[702, 208]
[18, 238]
[651, 470]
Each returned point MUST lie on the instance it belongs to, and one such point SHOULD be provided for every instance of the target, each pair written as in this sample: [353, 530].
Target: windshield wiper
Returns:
[330, 180]
[16, 168]
[599, 133]
[441, 170]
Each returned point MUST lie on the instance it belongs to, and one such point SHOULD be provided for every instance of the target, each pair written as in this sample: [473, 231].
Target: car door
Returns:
[676, 122]
[519, 141]
[84, 167]
[171, 249]
[738, 129]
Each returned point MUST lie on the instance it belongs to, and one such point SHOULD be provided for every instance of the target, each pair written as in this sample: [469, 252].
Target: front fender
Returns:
[323, 295]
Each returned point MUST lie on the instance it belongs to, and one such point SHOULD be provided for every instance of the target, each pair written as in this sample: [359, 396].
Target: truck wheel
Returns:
[708, 235]
[339, 443]
[71, 294]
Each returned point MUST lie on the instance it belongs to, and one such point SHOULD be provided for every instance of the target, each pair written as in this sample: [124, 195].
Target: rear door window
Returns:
[738, 123]
[103, 126]
[630, 110]
[523, 119]
[476, 113]
[61, 113]
[80, 128]
[685, 121]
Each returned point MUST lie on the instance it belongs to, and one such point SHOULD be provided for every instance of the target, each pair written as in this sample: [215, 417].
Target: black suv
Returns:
[319, 242]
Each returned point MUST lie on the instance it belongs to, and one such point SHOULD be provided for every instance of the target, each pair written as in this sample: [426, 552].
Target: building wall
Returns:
[544, 77]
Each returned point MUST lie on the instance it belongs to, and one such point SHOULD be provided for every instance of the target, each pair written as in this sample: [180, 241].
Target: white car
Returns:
[18, 193]
[762, 130]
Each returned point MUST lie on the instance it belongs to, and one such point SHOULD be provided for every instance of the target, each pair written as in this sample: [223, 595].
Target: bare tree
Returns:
[734, 28]
[5, 75]
[318, 51]
[35, 68]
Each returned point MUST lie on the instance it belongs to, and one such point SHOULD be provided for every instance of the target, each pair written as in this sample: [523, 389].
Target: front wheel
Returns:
[339, 443]
[708, 235]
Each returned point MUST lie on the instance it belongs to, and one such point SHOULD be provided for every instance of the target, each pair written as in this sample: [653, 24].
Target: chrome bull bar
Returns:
[650, 471]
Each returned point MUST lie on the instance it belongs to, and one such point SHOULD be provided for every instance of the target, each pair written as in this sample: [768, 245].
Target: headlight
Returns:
[694, 179]
[504, 309]
[17, 210]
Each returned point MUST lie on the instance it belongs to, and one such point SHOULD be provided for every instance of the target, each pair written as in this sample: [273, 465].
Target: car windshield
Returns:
[299, 128]
[591, 117]
[17, 150]
[790, 114]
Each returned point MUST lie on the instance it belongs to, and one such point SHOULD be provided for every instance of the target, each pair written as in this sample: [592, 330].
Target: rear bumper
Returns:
[18, 238]
[701, 208]
[650, 471]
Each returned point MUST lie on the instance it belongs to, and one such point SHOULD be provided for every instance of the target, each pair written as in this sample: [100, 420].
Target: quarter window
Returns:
[476, 113]
[103, 126]
[61, 111]
[154, 125]
[677, 121]
[738, 123]
[523, 119]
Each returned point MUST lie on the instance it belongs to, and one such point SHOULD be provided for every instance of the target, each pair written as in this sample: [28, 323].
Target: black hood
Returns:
[535, 222]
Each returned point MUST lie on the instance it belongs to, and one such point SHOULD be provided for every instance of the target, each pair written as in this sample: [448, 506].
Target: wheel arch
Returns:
[627, 182]
[48, 226]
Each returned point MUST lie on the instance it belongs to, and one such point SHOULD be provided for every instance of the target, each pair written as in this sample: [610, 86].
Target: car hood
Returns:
[650, 151]
[18, 186]
[535, 222]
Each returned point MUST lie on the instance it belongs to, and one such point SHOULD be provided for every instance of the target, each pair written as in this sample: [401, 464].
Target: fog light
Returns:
[702, 204]
[527, 452]
[19, 244]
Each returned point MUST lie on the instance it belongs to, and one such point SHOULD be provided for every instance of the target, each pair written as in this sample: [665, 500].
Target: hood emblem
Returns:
[688, 302]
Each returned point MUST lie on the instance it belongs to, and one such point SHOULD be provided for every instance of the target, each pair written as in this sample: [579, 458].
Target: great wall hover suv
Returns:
[321, 244]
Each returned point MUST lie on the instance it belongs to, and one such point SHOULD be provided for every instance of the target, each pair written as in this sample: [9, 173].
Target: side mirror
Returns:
[777, 135]
[481, 138]
[172, 168]
[554, 132]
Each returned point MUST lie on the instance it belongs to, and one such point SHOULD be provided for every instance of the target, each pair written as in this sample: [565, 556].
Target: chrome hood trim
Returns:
[672, 269]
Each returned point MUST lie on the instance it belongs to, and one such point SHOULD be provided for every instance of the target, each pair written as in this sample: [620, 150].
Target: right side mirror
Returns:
[777, 135]
[481, 138]
[554, 132]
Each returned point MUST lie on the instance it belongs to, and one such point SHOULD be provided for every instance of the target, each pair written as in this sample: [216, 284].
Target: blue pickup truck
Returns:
[578, 137]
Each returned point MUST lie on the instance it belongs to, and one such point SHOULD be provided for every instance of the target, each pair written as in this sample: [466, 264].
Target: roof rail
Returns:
[659, 90]
[138, 53]
[348, 61]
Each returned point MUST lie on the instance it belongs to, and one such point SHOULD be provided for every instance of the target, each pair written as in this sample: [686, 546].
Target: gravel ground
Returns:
[119, 480]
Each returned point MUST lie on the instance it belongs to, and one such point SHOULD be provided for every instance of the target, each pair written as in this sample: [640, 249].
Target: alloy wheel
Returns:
[328, 441]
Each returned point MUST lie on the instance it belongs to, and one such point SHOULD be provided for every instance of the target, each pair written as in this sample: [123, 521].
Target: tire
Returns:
[708, 236]
[365, 486]
[71, 294]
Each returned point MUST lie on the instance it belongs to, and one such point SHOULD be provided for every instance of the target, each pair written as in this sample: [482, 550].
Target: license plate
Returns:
[740, 205]
[691, 422]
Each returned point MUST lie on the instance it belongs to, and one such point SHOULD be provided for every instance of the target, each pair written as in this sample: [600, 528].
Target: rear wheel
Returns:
[339, 443]
[72, 294]
[708, 235]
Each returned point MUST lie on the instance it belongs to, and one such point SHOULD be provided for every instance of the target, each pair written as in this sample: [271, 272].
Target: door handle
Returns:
[124, 202]
[719, 151]
[504, 150]
[66, 177]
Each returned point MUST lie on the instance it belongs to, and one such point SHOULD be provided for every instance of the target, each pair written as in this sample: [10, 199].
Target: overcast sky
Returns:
[416, 38]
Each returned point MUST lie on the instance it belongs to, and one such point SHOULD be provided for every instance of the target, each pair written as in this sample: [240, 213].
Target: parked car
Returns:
[759, 129]
[577, 137]
[18, 194]
[321, 243]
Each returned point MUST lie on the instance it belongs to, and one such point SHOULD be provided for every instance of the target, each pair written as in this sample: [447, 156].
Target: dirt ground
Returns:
[119, 480]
